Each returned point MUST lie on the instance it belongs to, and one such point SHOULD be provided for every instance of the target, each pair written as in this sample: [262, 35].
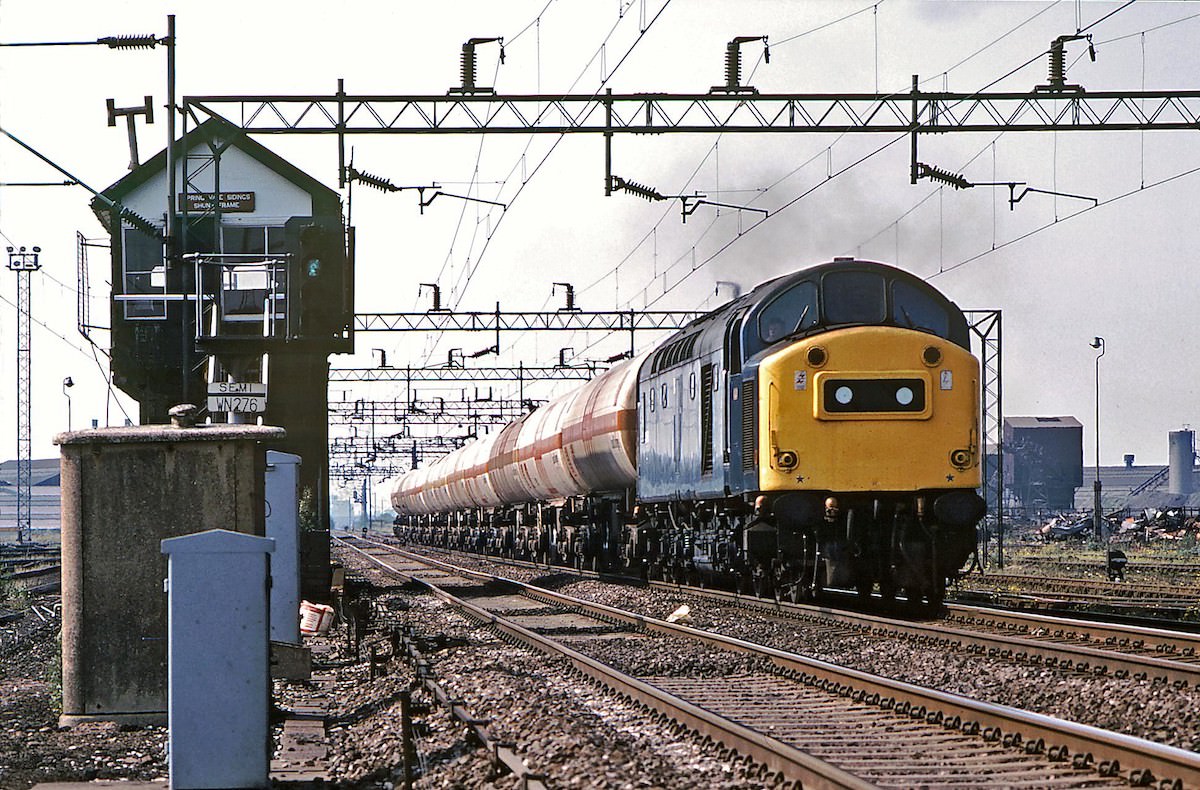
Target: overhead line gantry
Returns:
[915, 112]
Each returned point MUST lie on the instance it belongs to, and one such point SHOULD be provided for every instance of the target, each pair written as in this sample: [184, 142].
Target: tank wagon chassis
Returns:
[821, 430]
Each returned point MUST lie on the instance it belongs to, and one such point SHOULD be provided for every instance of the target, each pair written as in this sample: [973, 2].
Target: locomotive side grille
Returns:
[706, 420]
[749, 398]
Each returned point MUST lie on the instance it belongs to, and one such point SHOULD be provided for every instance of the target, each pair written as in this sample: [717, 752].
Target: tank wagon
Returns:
[820, 430]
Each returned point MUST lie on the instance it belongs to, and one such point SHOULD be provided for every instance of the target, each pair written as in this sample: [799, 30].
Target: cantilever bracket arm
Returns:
[1014, 199]
[422, 202]
[689, 204]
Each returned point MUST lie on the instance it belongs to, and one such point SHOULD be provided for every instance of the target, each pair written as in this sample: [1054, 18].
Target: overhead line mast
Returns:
[24, 263]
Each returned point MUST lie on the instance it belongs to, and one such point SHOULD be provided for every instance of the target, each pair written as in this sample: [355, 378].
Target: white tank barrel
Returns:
[1182, 457]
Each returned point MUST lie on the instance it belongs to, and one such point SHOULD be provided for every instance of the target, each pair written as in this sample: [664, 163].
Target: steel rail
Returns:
[1132, 755]
[1163, 640]
[1068, 657]
[1100, 588]
[776, 755]
[1166, 666]
[1099, 564]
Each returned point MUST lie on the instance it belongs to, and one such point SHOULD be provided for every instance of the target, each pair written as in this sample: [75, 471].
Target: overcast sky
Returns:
[1061, 270]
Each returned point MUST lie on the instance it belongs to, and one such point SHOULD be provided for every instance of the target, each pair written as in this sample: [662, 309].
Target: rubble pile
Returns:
[1148, 525]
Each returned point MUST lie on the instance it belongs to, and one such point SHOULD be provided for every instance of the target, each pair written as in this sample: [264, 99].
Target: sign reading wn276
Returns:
[236, 396]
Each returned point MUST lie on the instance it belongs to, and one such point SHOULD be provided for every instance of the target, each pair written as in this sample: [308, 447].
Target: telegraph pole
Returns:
[23, 263]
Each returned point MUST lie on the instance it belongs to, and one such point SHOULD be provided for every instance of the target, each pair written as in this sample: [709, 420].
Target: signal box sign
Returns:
[203, 202]
[237, 397]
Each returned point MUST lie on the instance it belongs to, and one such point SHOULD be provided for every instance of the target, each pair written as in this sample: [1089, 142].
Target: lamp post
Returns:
[68, 382]
[1096, 514]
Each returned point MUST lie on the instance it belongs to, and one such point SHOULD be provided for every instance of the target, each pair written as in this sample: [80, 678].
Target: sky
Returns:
[1060, 269]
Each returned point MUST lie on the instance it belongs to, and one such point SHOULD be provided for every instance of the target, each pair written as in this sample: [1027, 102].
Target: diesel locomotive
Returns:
[821, 430]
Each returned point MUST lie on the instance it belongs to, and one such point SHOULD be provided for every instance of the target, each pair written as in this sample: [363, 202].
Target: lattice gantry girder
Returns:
[573, 320]
[642, 113]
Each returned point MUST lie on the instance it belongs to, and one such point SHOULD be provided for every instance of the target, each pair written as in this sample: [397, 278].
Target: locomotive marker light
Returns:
[1096, 516]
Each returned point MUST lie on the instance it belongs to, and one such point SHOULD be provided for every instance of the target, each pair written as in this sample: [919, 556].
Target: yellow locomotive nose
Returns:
[885, 410]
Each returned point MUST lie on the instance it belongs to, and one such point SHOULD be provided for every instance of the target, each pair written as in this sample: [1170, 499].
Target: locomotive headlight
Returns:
[931, 356]
[904, 396]
[817, 356]
[843, 395]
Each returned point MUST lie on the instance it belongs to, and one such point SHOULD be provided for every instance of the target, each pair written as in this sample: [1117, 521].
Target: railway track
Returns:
[1063, 590]
[35, 576]
[1096, 564]
[1068, 645]
[806, 719]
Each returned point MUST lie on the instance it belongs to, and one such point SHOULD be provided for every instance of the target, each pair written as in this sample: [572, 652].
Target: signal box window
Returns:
[916, 309]
[792, 311]
[853, 297]
[144, 276]
[253, 240]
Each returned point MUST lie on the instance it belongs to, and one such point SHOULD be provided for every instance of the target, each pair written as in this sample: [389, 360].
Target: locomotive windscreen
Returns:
[917, 309]
[854, 297]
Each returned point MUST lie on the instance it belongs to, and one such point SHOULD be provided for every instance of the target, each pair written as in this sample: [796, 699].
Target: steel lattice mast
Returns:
[23, 263]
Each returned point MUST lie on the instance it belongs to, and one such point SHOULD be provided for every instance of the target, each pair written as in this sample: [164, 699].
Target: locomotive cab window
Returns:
[790, 312]
[915, 309]
[733, 345]
[854, 297]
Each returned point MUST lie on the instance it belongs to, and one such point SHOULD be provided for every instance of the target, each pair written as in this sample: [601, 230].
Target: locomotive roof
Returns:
[768, 288]
[815, 271]
[709, 328]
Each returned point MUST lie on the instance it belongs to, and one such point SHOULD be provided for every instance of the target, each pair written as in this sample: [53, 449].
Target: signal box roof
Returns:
[217, 132]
